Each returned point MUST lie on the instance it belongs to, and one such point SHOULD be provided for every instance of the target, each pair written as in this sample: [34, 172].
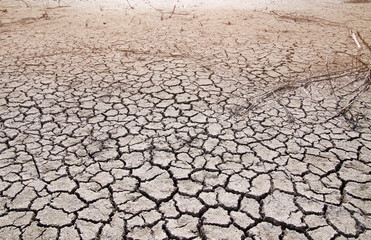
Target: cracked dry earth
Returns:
[116, 124]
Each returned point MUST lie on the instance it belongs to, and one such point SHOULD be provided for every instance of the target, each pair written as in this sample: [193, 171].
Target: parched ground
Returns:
[146, 121]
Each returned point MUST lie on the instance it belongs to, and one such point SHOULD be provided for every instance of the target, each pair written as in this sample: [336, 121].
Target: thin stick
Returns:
[25, 3]
[172, 11]
[129, 4]
[347, 107]
[364, 42]
[356, 40]
[178, 48]
[356, 58]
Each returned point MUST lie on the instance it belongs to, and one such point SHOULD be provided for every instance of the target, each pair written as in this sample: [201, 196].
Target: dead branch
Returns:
[354, 81]
[294, 85]
[346, 109]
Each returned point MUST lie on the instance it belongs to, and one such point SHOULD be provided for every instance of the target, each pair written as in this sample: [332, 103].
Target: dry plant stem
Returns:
[364, 42]
[354, 81]
[158, 10]
[358, 1]
[58, 7]
[323, 77]
[292, 17]
[27, 5]
[357, 59]
[270, 93]
[305, 82]
[172, 13]
[355, 40]
[350, 83]
[359, 91]
[178, 48]
[129, 4]
[167, 12]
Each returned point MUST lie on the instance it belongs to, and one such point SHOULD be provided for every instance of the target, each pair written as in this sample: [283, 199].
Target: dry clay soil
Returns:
[138, 120]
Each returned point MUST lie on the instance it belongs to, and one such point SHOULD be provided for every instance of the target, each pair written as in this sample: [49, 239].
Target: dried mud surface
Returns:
[144, 123]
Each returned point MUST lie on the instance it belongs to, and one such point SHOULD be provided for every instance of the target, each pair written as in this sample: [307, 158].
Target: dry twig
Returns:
[364, 42]
[129, 4]
[27, 5]
[172, 13]
[292, 17]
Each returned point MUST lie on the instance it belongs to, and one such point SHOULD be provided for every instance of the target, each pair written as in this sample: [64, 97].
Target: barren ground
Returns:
[138, 120]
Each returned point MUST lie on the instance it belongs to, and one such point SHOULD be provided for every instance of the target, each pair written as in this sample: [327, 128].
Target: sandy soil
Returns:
[311, 30]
